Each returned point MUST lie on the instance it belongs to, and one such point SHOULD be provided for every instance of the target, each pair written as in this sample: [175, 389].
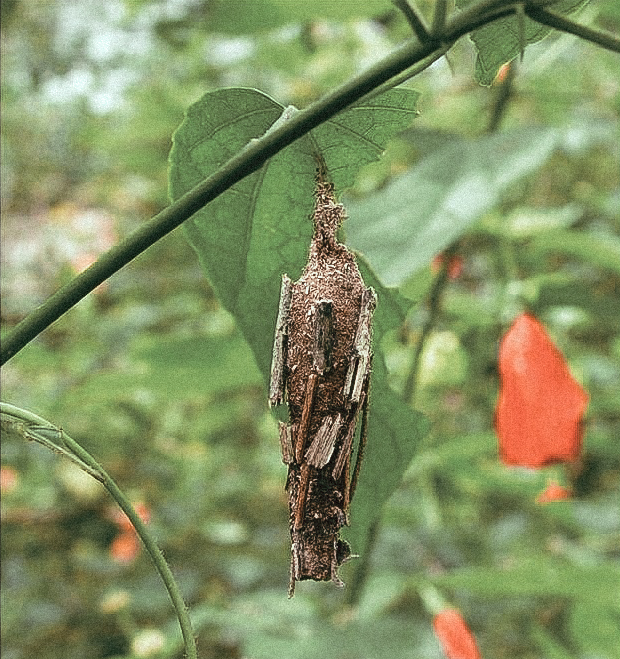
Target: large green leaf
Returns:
[539, 577]
[248, 17]
[260, 228]
[401, 227]
[501, 41]
[420, 213]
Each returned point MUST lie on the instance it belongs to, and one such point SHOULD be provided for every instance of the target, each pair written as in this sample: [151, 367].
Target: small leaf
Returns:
[502, 40]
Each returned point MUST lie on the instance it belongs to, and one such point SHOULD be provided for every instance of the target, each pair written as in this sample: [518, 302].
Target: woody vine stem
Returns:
[411, 58]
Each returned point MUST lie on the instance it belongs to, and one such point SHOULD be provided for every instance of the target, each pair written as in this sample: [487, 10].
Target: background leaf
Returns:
[595, 627]
[540, 576]
[601, 249]
[404, 225]
[266, 14]
[252, 234]
[499, 42]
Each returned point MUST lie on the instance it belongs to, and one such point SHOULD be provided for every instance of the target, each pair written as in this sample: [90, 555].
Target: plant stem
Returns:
[603, 39]
[434, 308]
[356, 587]
[416, 22]
[32, 426]
[248, 160]
[500, 103]
[439, 17]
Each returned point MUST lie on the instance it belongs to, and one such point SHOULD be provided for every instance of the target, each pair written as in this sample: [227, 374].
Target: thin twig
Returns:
[439, 17]
[416, 22]
[358, 580]
[603, 39]
[406, 74]
[504, 93]
[434, 309]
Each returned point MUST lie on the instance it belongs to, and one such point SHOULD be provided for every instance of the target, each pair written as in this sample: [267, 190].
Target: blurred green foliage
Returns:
[154, 378]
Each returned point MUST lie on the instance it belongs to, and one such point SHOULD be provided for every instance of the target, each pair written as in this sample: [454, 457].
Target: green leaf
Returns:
[501, 41]
[260, 15]
[601, 250]
[394, 429]
[539, 577]
[420, 213]
[595, 628]
[359, 135]
[260, 228]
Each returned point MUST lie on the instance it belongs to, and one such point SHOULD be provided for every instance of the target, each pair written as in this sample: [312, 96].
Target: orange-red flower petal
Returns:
[455, 636]
[125, 547]
[9, 479]
[124, 523]
[455, 265]
[540, 406]
[553, 492]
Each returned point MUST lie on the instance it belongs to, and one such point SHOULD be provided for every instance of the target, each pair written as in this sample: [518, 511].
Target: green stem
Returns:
[356, 587]
[406, 74]
[439, 17]
[31, 427]
[248, 160]
[603, 39]
[434, 309]
[416, 22]
[500, 103]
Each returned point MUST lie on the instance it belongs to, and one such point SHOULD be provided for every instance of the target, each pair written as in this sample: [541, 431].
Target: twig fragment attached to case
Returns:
[321, 366]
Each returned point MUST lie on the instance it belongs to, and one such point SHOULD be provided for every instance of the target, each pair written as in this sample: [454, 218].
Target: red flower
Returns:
[455, 265]
[553, 492]
[540, 405]
[9, 479]
[455, 636]
[123, 522]
[126, 545]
